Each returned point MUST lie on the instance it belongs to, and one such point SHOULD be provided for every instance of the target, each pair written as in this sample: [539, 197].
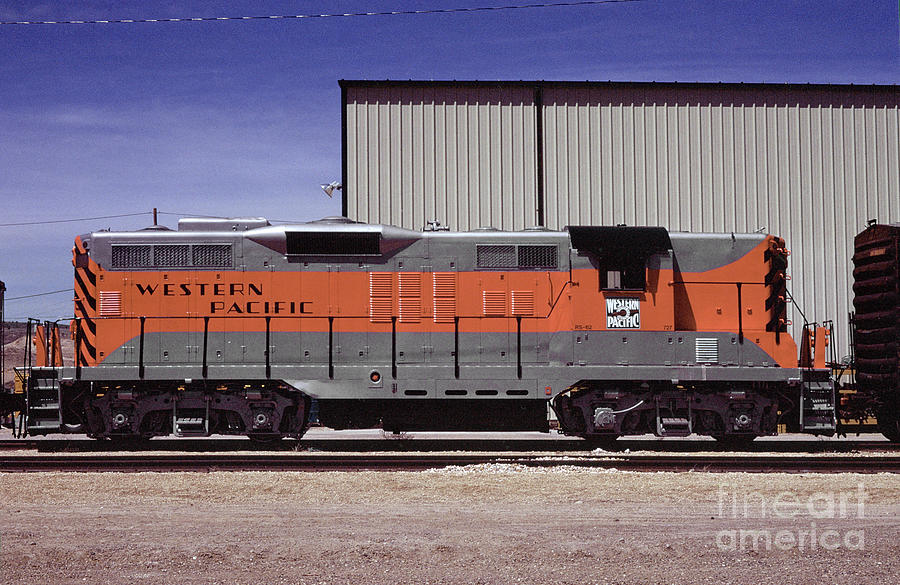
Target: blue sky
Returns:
[242, 118]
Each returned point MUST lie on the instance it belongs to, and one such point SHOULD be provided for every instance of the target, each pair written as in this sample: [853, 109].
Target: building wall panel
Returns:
[813, 174]
[463, 157]
[809, 163]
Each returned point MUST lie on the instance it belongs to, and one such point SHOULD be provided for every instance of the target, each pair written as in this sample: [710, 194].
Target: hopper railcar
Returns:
[233, 326]
[876, 327]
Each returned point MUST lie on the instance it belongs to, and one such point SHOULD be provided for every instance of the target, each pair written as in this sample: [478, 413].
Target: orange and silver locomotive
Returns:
[236, 326]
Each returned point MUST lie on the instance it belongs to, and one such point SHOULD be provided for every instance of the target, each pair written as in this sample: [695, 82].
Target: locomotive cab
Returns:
[694, 339]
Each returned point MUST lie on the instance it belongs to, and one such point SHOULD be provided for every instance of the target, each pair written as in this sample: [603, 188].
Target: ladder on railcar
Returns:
[43, 395]
[43, 401]
[818, 404]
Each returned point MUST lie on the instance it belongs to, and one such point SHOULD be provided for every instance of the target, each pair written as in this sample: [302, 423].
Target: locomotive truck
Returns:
[233, 326]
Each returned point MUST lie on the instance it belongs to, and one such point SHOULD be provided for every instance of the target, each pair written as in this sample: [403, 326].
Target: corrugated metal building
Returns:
[811, 163]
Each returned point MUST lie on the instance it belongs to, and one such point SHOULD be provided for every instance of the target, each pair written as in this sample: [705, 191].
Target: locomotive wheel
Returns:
[889, 424]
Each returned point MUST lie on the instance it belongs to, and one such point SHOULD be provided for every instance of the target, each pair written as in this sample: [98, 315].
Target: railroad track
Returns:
[419, 462]
[206, 445]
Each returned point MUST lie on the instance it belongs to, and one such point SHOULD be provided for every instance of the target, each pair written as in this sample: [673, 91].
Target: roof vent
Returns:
[333, 243]
[334, 219]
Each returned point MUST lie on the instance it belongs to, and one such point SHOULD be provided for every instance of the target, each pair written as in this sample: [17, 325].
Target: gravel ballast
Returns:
[479, 524]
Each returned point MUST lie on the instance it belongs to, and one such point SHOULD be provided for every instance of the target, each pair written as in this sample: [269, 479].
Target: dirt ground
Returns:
[488, 524]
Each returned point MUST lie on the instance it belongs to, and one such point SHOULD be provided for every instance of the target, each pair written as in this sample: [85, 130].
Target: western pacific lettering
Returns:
[259, 308]
[218, 289]
[227, 306]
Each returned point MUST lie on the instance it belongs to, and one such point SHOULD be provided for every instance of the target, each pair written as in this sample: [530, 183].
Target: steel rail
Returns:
[375, 445]
[410, 462]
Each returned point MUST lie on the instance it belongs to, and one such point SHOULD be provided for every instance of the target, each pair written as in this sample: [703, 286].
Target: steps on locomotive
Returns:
[190, 422]
[673, 426]
[817, 407]
[670, 422]
[43, 401]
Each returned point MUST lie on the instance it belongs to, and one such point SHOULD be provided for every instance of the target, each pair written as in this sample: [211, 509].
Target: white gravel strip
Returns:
[518, 468]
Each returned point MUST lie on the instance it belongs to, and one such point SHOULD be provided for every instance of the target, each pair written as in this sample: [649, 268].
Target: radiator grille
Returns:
[707, 350]
[410, 284]
[494, 302]
[132, 256]
[177, 256]
[110, 303]
[212, 255]
[496, 256]
[444, 297]
[410, 297]
[410, 310]
[524, 256]
[381, 297]
[537, 257]
[523, 302]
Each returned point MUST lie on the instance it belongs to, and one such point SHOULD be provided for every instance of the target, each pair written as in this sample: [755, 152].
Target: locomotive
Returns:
[237, 326]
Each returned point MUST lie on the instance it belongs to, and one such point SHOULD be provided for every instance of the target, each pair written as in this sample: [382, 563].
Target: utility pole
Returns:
[2, 335]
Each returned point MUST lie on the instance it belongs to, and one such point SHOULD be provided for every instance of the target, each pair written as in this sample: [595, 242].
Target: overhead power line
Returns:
[334, 15]
[48, 221]
[175, 213]
[136, 214]
[42, 317]
[43, 294]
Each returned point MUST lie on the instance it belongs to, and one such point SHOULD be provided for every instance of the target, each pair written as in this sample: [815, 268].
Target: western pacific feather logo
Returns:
[623, 313]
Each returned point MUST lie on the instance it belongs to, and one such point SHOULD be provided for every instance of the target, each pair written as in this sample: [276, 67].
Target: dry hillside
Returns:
[13, 341]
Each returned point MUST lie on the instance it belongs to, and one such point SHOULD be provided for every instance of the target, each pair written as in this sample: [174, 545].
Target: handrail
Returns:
[289, 317]
[674, 282]
[269, 362]
[793, 302]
